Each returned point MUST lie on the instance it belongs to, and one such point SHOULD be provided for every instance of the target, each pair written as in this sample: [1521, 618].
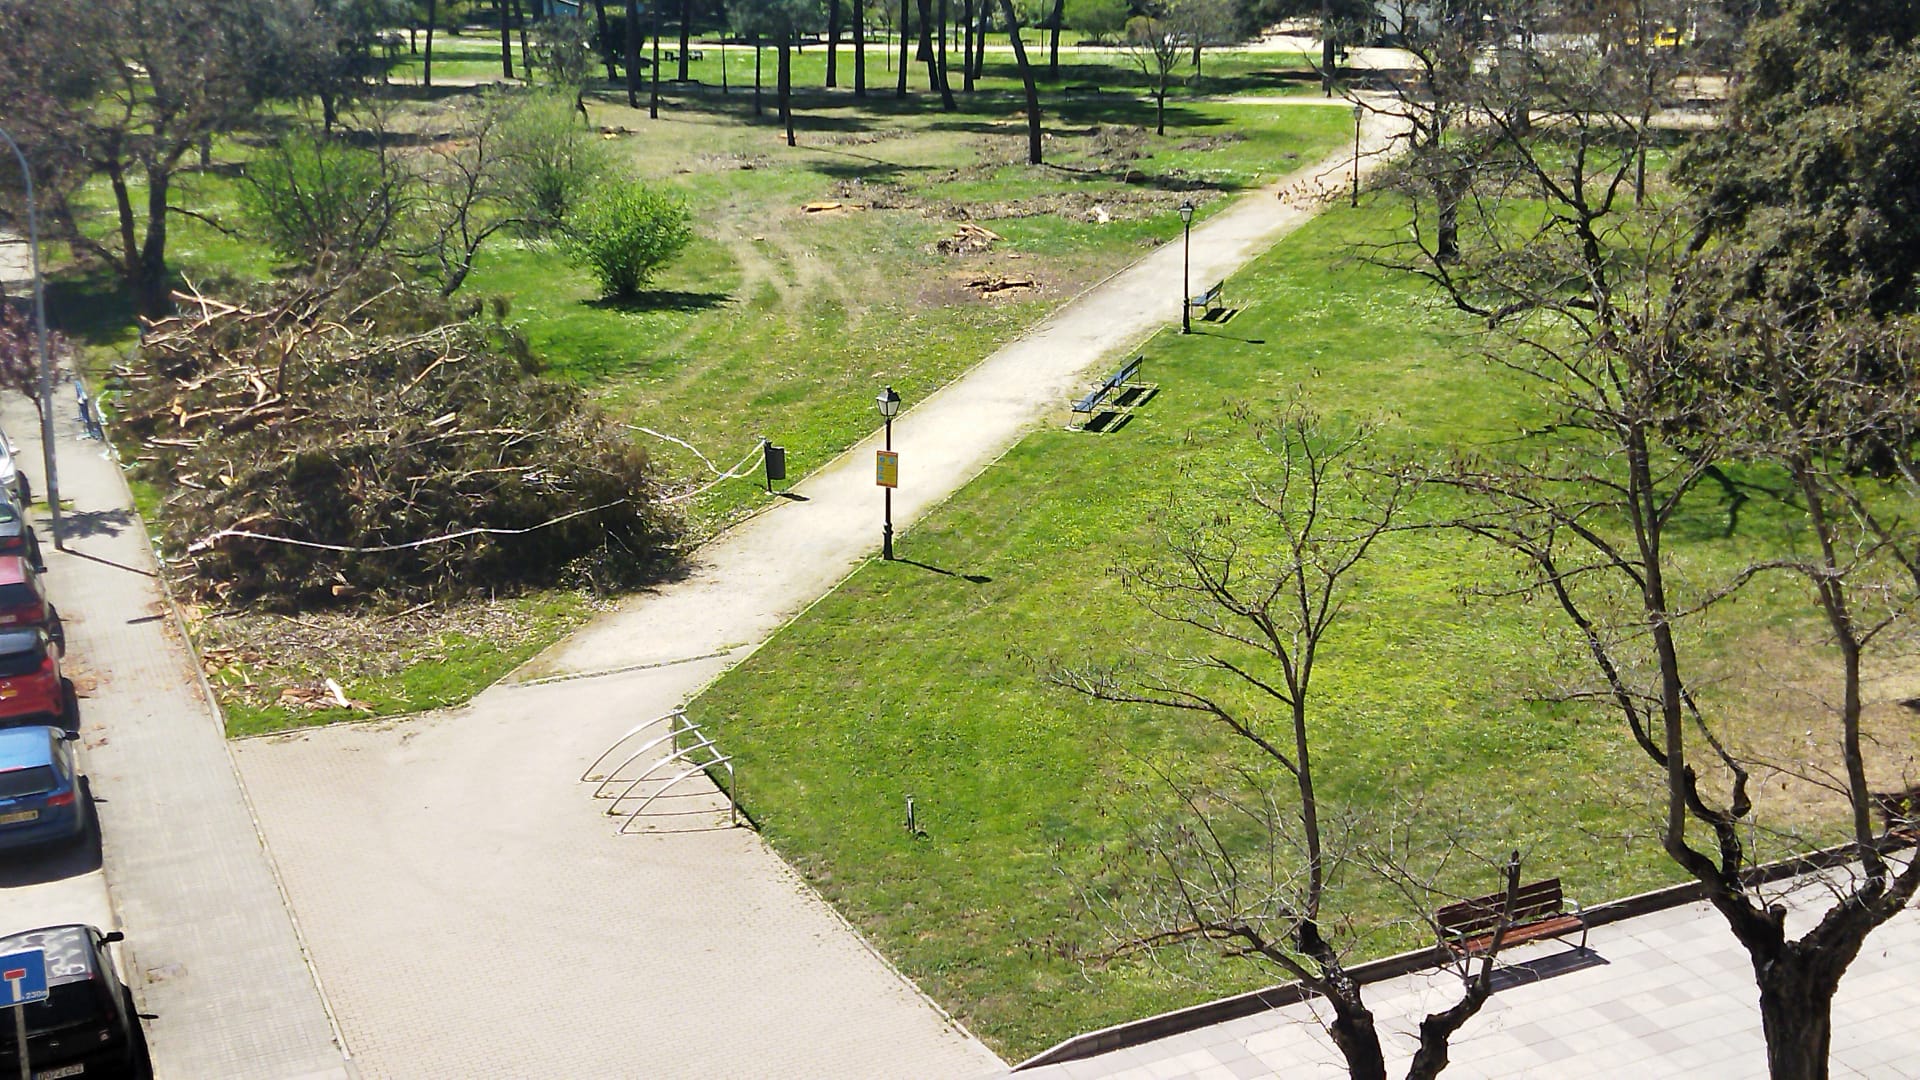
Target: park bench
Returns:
[1208, 302]
[1118, 387]
[672, 56]
[1901, 812]
[1539, 910]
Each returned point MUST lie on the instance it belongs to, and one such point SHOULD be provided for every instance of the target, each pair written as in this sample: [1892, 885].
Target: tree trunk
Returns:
[757, 109]
[526, 60]
[1160, 111]
[786, 84]
[966, 45]
[1796, 1013]
[936, 73]
[833, 43]
[941, 21]
[653, 92]
[859, 49]
[906, 33]
[606, 47]
[979, 60]
[1026, 78]
[151, 286]
[506, 41]
[1326, 49]
[1358, 1041]
[686, 35]
[633, 54]
[1053, 45]
[433, 16]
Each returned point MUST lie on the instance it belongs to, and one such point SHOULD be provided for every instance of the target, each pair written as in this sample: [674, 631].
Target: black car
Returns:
[87, 1026]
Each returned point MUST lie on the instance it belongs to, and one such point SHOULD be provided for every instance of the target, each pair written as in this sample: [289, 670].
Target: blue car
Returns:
[40, 797]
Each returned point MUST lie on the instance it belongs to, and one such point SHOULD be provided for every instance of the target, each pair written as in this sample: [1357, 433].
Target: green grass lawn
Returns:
[1222, 71]
[777, 323]
[911, 682]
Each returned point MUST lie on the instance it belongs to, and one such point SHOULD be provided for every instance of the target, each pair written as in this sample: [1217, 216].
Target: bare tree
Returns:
[1595, 284]
[1154, 46]
[1261, 602]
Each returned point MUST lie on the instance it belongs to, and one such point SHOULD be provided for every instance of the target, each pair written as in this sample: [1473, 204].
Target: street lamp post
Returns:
[1186, 266]
[40, 334]
[1356, 155]
[889, 405]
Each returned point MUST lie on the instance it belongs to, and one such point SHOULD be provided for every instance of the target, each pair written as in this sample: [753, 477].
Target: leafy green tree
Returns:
[318, 200]
[133, 87]
[551, 162]
[624, 234]
[1100, 20]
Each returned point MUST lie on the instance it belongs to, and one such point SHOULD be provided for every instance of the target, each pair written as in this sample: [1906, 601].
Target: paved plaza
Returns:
[1668, 994]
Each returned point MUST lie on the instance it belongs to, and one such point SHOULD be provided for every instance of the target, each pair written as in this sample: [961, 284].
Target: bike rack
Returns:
[697, 756]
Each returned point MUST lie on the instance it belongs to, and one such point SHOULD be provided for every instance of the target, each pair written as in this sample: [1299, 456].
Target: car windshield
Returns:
[24, 662]
[37, 780]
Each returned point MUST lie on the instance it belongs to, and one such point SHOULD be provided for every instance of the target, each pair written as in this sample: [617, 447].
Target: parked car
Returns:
[24, 603]
[87, 1026]
[40, 797]
[16, 534]
[31, 687]
[11, 477]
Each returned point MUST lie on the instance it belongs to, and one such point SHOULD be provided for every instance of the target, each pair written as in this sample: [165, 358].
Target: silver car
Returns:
[11, 476]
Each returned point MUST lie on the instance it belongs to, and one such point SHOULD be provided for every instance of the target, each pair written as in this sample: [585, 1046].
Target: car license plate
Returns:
[56, 1074]
[16, 818]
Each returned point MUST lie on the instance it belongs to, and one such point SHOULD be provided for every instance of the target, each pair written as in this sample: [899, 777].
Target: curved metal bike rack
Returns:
[698, 756]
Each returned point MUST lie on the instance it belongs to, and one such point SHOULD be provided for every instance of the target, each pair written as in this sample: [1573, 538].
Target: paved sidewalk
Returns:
[472, 914]
[210, 946]
[1668, 994]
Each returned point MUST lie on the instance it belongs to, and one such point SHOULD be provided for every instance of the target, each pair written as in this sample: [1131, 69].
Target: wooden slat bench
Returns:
[1900, 810]
[1539, 910]
[1113, 383]
[1208, 302]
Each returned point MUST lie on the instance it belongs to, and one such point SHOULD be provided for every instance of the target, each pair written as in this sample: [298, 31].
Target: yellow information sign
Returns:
[886, 468]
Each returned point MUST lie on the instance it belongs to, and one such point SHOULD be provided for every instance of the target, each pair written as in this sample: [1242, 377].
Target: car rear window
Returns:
[67, 1005]
[7, 512]
[25, 662]
[33, 781]
[18, 596]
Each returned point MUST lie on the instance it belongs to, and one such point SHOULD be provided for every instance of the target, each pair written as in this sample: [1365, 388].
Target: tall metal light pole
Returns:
[1356, 155]
[1186, 267]
[40, 332]
[889, 405]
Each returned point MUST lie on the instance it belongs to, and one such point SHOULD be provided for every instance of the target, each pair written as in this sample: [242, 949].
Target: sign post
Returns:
[23, 980]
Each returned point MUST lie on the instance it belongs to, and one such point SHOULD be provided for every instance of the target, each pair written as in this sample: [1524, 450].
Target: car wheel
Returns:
[69, 706]
[26, 491]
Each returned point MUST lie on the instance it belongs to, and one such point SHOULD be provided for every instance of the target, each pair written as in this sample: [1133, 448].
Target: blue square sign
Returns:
[23, 978]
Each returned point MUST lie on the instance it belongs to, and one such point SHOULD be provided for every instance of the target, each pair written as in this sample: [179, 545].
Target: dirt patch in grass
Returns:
[271, 671]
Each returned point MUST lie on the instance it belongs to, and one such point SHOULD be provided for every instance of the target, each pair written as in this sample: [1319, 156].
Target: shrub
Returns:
[315, 199]
[552, 160]
[1098, 19]
[625, 233]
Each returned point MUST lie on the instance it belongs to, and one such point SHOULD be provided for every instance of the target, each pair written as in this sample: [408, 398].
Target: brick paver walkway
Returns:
[1670, 996]
[472, 914]
[211, 949]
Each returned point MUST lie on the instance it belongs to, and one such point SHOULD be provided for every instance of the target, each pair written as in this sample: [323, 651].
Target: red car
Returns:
[30, 682]
[24, 603]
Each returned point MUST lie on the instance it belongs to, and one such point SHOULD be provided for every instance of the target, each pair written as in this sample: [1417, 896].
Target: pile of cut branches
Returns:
[361, 440]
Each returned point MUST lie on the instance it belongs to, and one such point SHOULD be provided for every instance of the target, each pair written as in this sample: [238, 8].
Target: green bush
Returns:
[553, 159]
[1098, 19]
[625, 233]
[315, 199]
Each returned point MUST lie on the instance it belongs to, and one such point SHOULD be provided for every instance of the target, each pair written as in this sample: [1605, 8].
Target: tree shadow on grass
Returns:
[90, 306]
[662, 300]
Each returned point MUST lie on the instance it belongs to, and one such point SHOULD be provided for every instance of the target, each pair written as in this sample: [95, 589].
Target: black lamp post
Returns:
[1186, 266]
[889, 405]
[1356, 155]
[40, 334]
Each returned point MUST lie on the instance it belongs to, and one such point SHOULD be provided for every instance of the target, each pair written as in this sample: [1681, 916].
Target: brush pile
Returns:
[360, 441]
